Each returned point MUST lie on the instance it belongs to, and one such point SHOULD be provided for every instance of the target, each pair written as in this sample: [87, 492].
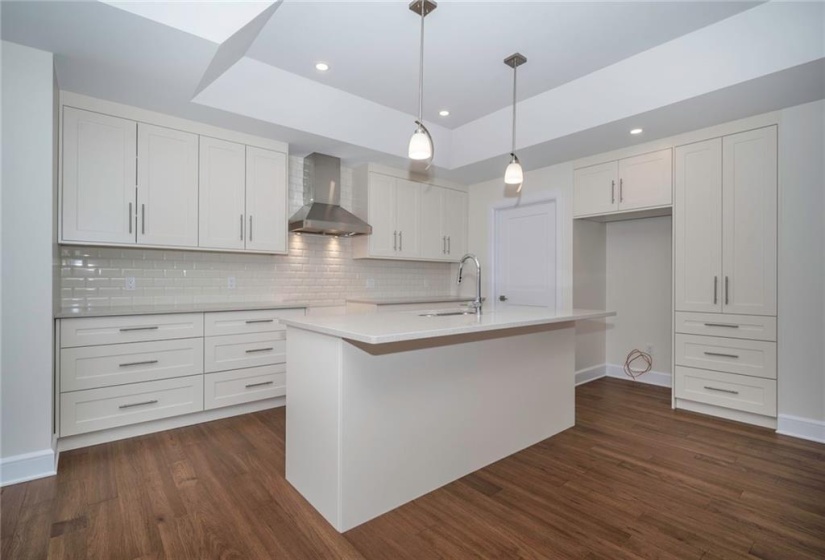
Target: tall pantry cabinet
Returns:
[725, 270]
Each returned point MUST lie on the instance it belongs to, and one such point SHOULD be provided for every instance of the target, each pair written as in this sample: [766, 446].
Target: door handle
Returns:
[721, 390]
[253, 321]
[715, 289]
[138, 404]
[727, 291]
[721, 355]
[727, 325]
[400, 240]
[130, 329]
[260, 350]
[444, 245]
[621, 190]
[613, 191]
[143, 219]
[502, 298]
[395, 240]
[449, 244]
[145, 363]
[261, 384]
[241, 227]
[250, 227]
[130, 217]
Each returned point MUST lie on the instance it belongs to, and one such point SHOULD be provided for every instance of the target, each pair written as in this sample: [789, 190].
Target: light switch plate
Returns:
[131, 284]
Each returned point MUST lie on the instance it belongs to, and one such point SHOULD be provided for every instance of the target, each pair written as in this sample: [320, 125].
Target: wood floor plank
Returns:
[632, 480]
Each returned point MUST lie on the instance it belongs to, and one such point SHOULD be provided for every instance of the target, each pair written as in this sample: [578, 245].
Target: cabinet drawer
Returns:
[245, 322]
[731, 326]
[227, 388]
[740, 392]
[244, 351]
[747, 357]
[89, 331]
[110, 407]
[90, 367]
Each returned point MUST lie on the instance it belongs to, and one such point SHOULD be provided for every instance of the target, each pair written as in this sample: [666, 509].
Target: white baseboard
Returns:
[27, 466]
[657, 378]
[590, 374]
[803, 428]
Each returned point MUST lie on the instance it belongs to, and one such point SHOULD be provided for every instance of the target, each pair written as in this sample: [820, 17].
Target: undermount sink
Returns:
[447, 314]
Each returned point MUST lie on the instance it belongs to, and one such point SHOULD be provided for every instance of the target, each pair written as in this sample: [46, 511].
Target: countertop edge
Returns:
[86, 312]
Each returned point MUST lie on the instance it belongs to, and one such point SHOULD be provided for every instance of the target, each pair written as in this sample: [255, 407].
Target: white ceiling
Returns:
[594, 70]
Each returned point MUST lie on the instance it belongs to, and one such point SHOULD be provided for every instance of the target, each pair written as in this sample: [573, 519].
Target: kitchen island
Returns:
[383, 408]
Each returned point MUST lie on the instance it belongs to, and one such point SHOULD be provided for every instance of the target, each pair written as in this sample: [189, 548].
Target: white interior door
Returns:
[167, 187]
[525, 255]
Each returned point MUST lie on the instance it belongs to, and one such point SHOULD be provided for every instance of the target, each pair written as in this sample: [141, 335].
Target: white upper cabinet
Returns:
[645, 181]
[266, 200]
[410, 220]
[222, 194]
[595, 189]
[633, 183]
[697, 226]
[167, 194]
[99, 167]
[749, 238]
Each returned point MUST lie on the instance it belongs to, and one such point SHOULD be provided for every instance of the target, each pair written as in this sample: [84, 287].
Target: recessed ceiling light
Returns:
[444, 113]
[636, 131]
[322, 66]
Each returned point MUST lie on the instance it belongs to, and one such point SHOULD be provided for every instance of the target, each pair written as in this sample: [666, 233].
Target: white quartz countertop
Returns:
[409, 300]
[115, 310]
[382, 328]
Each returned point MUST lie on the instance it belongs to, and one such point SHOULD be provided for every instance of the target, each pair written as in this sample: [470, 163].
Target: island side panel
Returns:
[416, 420]
[313, 451]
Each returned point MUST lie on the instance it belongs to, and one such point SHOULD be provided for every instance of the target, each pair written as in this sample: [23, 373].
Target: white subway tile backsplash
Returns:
[318, 270]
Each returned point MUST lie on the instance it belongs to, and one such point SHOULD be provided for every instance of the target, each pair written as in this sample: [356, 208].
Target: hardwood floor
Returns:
[633, 479]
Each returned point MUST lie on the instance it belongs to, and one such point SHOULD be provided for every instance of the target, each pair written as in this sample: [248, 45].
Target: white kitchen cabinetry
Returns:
[410, 220]
[99, 178]
[725, 229]
[266, 200]
[222, 194]
[632, 183]
[167, 187]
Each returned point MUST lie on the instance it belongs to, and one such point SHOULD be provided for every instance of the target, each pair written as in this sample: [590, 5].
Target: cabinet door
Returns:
[697, 226]
[384, 238]
[98, 202]
[596, 189]
[266, 200]
[222, 194]
[646, 180]
[167, 187]
[749, 201]
[407, 217]
[433, 234]
[455, 223]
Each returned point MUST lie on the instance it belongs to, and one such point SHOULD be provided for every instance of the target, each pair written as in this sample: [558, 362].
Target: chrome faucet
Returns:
[476, 304]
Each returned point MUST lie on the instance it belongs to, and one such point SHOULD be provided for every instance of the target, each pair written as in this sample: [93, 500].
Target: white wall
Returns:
[802, 263]
[590, 292]
[26, 374]
[639, 280]
[548, 182]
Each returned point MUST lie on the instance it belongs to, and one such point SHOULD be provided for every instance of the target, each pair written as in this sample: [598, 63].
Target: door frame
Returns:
[561, 238]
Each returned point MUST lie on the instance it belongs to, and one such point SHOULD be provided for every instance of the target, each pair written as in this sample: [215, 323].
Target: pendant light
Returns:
[514, 175]
[421, 144]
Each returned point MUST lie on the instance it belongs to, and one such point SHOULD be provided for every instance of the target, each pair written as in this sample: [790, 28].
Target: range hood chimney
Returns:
[322, 213]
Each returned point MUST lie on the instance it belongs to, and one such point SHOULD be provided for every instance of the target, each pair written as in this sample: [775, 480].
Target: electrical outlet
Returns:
[130, 283]
[230, 282]
[370, 282]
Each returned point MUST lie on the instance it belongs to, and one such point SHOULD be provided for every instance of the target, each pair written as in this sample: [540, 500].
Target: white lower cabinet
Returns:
[732, 355]
[112, 407]
[226, 388]
[728, 390]
[124, 370]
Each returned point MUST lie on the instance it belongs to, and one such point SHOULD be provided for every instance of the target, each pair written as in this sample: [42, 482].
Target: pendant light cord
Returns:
[515, 69]
[421, 70]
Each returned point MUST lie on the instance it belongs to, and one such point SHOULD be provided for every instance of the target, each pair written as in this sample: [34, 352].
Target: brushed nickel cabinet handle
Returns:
[145, 363]
[144, 403]
[250, 228]
[130, 329]
[449, 244]
[143, 219]
[130, 217]
[721, 390]
[259, 350]
[715, 289]
[395, 241]
[252, 321]
[261, 384]
[726, 325]
[613, 191]
[727, 291]
[241, 227]
[444, 245]
[400, 240]
[721, 355]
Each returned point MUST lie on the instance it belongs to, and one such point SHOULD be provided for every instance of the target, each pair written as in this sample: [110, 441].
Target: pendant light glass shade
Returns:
[514, 175]
[421, 146]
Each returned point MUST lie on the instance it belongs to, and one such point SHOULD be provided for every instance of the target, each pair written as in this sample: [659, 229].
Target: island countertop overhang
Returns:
[383, 328]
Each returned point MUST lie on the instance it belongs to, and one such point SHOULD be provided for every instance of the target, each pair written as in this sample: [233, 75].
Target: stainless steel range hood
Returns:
[322, 213]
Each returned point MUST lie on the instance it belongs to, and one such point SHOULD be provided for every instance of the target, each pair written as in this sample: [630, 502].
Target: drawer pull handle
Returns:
[146, 363]
[726, 325]
[144, 403]
[130, 329]
[259, 350]
[720, 354]
[261, 384]
[721, 390]
[260, 321]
